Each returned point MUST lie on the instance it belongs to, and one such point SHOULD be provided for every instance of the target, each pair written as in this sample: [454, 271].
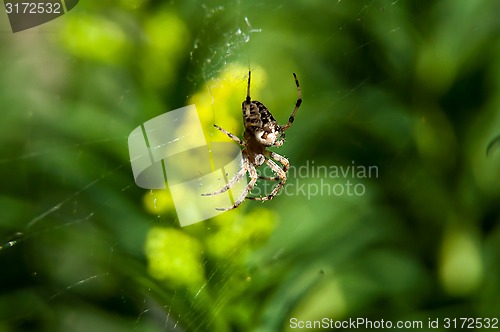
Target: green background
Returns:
[411, 87]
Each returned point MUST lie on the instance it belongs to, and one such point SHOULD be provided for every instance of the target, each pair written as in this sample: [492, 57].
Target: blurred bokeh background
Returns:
[407, 89]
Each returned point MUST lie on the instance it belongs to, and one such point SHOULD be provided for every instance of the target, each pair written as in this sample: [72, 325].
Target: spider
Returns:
[261, 131]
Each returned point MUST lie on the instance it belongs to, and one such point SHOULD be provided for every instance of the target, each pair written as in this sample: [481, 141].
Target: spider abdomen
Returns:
[260, 122]
[257, 116]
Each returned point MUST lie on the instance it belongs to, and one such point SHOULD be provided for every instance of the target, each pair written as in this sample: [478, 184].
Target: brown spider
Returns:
[261, 131]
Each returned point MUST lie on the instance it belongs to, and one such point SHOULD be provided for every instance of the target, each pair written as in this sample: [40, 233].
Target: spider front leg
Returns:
[253, 179]
[231, 136]
[297, 105]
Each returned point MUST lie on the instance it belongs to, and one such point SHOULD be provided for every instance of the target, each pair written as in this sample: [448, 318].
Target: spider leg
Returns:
[231, 136]
[231, 183]
[297, 105]
[253, 179]
[282, 160]
[281, 175]
[247, 101]
[266, 178]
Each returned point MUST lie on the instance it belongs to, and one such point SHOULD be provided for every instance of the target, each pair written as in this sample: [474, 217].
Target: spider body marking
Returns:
[261, 131]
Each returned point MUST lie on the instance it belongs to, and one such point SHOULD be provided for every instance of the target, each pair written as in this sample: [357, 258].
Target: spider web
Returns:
[75, 228]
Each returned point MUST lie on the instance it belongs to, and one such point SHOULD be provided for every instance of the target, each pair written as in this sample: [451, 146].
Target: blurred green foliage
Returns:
[411, 87]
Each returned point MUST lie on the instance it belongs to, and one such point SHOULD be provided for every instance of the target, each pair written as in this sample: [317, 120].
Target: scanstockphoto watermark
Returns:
[310, 180]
